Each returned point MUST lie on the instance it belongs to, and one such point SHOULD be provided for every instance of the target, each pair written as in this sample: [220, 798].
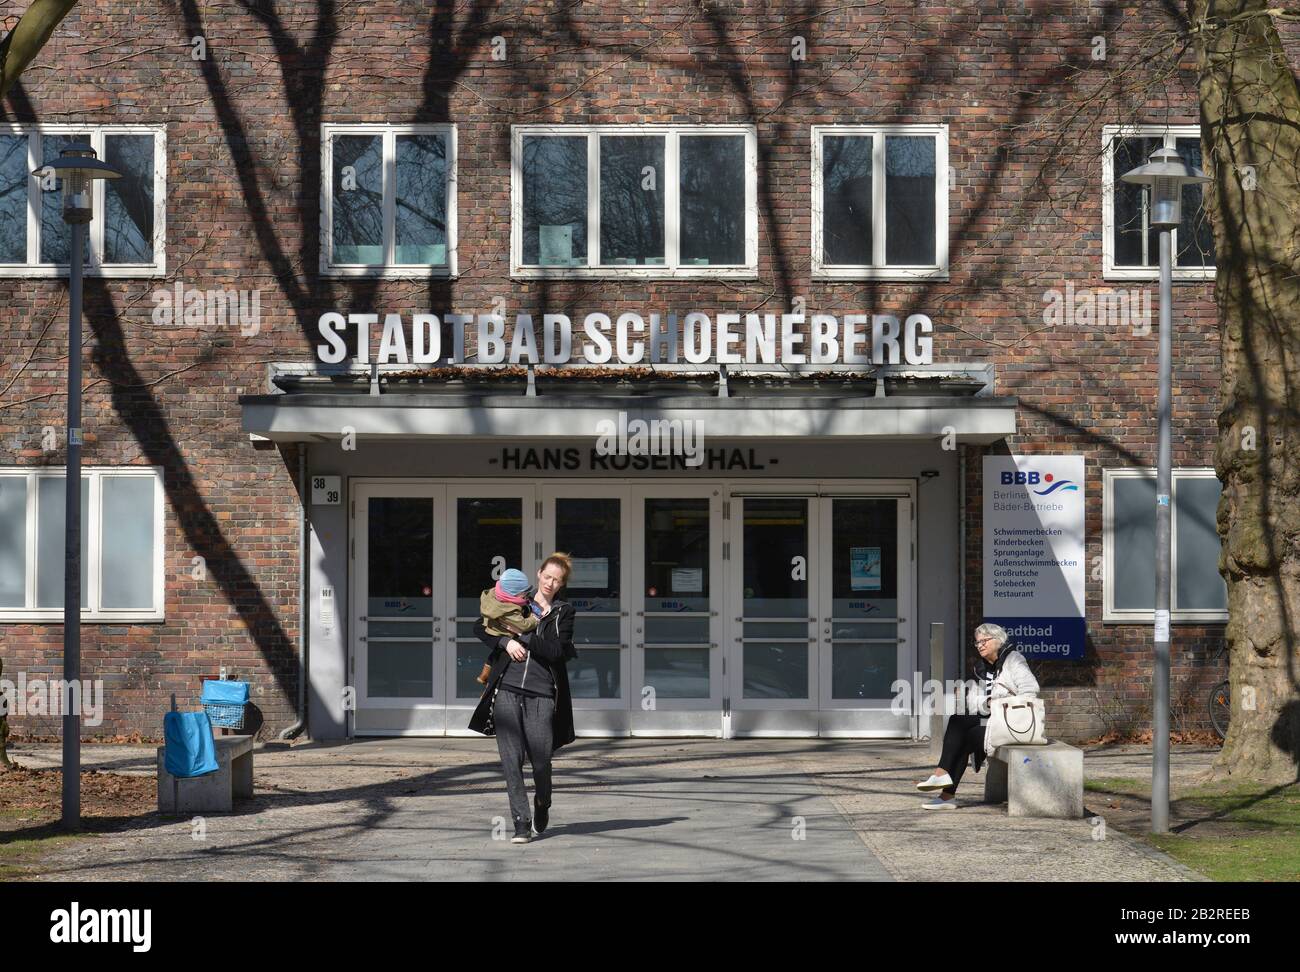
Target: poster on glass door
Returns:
[1034, 552]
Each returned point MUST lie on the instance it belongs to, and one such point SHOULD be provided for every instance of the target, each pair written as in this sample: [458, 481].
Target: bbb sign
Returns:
[1031, 477]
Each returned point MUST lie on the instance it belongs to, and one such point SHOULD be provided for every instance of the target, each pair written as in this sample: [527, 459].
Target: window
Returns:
[1198, 592]
[121, 544]
[388, 200]
[880, 201]
[125, 238]
[652, 200]
[1130, 245]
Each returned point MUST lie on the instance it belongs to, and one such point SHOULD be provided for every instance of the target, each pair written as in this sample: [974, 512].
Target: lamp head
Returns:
[78, 168]
[1165, 174]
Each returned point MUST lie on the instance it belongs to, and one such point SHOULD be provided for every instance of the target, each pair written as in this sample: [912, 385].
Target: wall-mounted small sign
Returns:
[326, 490]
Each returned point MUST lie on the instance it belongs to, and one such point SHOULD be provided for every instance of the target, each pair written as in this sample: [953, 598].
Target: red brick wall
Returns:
[1014, 81]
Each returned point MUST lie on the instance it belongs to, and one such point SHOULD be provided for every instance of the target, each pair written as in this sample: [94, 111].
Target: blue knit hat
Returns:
[514, 582]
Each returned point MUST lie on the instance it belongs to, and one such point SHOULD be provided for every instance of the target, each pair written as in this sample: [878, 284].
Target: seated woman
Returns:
[999, 672]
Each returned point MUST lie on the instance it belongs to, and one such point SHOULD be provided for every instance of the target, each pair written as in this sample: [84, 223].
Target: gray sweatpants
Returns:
[523, 728]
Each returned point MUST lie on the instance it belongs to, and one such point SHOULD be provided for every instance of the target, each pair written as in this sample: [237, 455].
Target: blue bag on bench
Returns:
[188, 746]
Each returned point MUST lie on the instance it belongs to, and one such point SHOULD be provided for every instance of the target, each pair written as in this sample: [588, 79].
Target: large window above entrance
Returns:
[388, 204]
[634, 201]
[880, 201]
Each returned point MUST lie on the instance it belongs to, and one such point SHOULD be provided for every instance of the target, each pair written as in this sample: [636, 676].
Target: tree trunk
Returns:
[1250, 131]
[27, 38]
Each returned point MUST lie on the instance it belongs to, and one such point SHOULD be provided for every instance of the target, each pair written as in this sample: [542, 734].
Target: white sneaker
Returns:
[940, 782]
[939, 803]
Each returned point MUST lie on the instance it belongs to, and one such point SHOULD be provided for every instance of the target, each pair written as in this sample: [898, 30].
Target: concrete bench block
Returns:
[1037, 781]
[213, 792]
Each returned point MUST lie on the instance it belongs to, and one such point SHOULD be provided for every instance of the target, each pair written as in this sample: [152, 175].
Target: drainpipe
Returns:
[304, 596]
[962, 452]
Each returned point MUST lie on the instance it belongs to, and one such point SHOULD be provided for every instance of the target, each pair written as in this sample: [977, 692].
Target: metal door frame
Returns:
[460, 709]
[870, 719]
[430, 711]
[612, 714]
[645, 722]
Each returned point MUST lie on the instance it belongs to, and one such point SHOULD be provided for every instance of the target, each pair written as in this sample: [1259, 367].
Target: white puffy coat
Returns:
[1013, 678]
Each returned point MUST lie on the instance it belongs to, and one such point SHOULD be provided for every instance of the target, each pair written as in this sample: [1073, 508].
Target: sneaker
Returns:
[939, 803]
[939, 782]
[541, 817]
[523, 832]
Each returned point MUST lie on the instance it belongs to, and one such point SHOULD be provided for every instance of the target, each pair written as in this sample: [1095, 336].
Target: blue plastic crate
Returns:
[225, 716]
[225, 702]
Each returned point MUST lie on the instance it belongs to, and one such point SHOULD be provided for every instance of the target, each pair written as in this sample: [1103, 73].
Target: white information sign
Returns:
[1034, 552]
[589, 574]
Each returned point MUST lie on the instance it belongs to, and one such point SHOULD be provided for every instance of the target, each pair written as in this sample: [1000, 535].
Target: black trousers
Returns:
[963, 737]
[523, 728]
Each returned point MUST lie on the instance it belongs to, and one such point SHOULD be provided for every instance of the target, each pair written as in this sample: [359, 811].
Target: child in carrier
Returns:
[506, 612]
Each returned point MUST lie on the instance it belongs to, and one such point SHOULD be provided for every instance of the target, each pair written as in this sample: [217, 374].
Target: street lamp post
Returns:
[78, 169]
[1164, 175]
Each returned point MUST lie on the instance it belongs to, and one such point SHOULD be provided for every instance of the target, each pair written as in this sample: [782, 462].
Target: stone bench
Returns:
[1037, 781]
[212, 792]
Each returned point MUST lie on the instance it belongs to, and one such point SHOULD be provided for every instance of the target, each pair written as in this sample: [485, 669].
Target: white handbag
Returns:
[1015, 720]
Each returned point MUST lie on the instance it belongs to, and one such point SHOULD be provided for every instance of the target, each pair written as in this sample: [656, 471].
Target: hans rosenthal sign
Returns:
[631, 339]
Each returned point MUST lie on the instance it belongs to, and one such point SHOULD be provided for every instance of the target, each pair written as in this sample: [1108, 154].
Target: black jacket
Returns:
[552, 642]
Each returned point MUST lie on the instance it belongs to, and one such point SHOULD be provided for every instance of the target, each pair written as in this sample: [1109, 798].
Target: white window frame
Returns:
[389, 269]
[1109, 134]
[94, 266]
[1111, 614]
[879, 270]
[672, 184]
[93, 525]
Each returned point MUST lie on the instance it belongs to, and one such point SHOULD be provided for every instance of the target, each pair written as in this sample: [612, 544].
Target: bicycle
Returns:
[1221, 701]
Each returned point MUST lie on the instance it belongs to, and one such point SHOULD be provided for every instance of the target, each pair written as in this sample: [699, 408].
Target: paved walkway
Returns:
[625, 809]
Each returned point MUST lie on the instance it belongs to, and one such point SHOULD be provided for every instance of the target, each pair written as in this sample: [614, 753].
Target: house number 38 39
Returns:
[326, 490]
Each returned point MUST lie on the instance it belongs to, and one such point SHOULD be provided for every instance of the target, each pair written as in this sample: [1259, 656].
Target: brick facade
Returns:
[1013, 82]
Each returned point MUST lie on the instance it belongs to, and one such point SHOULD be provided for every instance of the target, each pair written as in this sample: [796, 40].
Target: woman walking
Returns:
[526, 704]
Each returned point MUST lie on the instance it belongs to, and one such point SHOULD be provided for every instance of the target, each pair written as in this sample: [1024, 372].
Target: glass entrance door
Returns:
[676, 623]
[865, 610]
[782, 612]
[398, 672]
[823, 612]
[491, 529]
[590, 524]
[772, 661]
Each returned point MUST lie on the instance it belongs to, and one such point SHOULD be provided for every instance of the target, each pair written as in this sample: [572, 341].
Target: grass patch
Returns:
[1256, 833]
[1258, 857]
[1118, 784]
[31, 810]
[1227, 831]
[24, 841]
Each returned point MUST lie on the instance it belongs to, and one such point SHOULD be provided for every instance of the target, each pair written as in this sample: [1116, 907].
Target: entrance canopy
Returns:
[910, 403]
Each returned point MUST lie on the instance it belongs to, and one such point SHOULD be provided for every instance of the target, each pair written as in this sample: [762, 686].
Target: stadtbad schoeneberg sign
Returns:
[631, 338]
